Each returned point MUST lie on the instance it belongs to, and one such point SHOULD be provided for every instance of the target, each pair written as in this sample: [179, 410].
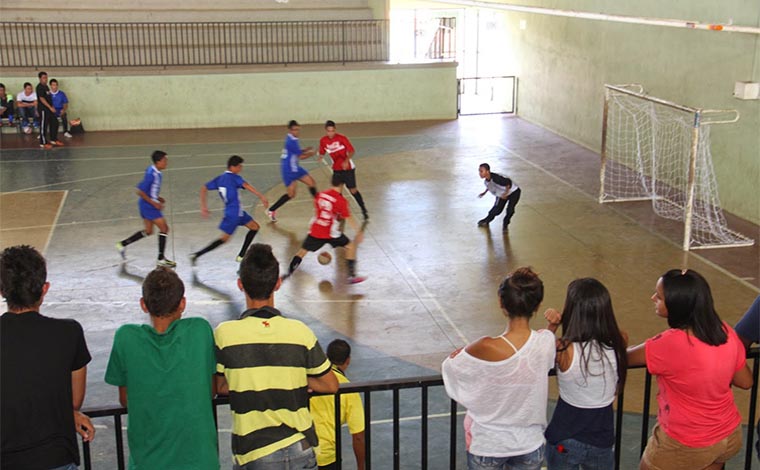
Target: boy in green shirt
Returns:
[164, 373]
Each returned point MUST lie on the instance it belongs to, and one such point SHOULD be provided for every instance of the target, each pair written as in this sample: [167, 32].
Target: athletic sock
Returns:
[313, 191]
[247, 242]
[351, 263]
[136, 236]
[283, 199]
[161, 244]
[360, 201]
[211, 246]
[294, 263]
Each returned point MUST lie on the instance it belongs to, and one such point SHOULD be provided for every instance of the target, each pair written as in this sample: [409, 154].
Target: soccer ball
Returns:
[324, 258]
[28, 130]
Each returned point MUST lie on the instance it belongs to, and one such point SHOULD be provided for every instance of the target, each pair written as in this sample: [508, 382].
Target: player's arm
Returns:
[123, 396]
[308, 152]
[637, 355]
[253, 190]
[553, 319]
[45, 103]
[204, 206]
[326, 383]
[65, 108]
[357, 440]
[144, 196]
[78, 386]
[506, 192]
[222, 387]
[359, 237]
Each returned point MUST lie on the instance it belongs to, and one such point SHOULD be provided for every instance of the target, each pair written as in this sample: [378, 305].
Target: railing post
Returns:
[619, 428]
[338, 436]
[119, 441]
[86, 455]
[752, 410]
[453, 437]
[424, 428]
[396, 431]
[343, 42]
[645, 412]
[367, 434]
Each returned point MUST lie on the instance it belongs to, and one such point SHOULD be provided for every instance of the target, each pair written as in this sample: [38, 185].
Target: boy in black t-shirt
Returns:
[43, 371]
[48, 120]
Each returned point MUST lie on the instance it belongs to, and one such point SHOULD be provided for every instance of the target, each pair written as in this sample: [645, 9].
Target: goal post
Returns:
[658, 150]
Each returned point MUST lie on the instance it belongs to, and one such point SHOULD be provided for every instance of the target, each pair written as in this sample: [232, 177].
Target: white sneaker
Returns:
[166, 262]
[67, 134]
[271, 215]
[122, 250]
[238, 259]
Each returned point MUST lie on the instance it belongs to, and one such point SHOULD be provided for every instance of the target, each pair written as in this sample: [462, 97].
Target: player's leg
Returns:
[290, 186]
[512, 201]
[350, 247]
[310, 244]
[253, 228]
[227, 226]
[350, 181]
[309, 181]
[163, 235]
[497, 208]
[122, 245]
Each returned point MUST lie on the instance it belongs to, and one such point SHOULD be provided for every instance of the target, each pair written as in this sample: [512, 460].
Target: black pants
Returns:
[48, 126]
[510, 202]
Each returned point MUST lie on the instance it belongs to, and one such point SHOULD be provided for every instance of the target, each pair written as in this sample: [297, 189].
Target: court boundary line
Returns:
[55, 220]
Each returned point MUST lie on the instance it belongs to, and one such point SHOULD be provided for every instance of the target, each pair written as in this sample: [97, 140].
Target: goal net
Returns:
[656, 150]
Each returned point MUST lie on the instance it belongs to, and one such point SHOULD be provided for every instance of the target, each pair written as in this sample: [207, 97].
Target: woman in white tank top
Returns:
[591, 366]
[503, 382]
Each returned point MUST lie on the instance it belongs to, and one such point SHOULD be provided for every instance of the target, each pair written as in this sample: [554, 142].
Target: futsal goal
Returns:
[657, 150]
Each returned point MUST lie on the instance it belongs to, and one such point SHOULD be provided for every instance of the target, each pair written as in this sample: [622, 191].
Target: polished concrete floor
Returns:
[432, 274]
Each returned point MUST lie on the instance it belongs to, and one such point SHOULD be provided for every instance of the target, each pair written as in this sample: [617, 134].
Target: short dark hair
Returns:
[157, 156]
[234, 160]
[338, 351]
[259, 271]
[162, 291]
[23, 274]
[26, 84]
[521, 293]
[486, 166]
[39, 75]
[690, 306]
[293, 123]
[53, 80]
[2, 85]
[329, 123]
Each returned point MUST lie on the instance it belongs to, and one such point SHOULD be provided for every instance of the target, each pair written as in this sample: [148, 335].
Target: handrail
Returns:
[174, 44]
[423, 383]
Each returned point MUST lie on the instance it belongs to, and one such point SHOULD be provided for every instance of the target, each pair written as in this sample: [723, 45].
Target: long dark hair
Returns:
[690, 306]
[588, 318]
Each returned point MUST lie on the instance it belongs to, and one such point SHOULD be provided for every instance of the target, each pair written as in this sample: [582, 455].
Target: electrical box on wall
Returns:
[747, 90]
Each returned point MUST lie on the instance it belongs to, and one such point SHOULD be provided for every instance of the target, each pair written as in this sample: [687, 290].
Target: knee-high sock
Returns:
[136, 236]
[313, 191]
[283, 199]
[247, 242]
[294, 263]
[351, 264]
[215, 244]
[161, 244]
[360, 201]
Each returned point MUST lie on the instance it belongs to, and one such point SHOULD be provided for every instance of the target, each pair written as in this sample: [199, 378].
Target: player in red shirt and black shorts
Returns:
[340, 150]
[330, 208]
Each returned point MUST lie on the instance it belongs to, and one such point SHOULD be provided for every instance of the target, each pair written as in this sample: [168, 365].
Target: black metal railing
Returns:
[101, 45]
[424, 384]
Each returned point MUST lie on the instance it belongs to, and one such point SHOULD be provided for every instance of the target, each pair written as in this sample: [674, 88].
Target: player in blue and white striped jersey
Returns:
[150, 205]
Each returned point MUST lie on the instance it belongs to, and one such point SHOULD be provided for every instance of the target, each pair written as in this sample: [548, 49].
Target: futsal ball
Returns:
[324, 257]
[28, 130]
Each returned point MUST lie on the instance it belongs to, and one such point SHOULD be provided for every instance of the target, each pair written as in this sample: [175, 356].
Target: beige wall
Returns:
[264, 96]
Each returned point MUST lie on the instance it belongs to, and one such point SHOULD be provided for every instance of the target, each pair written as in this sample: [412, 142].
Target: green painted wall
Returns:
[564, 62]
[169, 101]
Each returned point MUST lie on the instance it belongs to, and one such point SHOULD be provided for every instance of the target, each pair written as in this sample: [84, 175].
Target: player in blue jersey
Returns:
[227, 184]
[151, 204]
[291, 171]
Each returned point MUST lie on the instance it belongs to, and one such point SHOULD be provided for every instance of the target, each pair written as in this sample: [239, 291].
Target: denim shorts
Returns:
[529, 461]
[569, 454]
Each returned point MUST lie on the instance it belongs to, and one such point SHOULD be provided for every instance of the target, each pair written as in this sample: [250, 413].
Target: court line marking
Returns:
[143, 157]
[55, 221]
[377, 421]
[718, 268]
[216, 302]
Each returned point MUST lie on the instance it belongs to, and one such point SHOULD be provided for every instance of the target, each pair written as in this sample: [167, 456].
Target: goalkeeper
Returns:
[507, 195]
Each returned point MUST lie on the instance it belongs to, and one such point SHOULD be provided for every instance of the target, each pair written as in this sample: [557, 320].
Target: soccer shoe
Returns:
[482, 223]
[271, 215]
[366, 215]
[238, 259]
[67, 135]
[57, 143]
[193, 259]
[356, 279]
[46, 146]
[166, 262]
[122, 250]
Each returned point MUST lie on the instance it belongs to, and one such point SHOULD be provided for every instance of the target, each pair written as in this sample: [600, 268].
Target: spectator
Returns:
[267, 363]
[748, 330]
[503, 382]
[164, 372]
[46, 111]
[43, 372]
[591, 368]
[61, 105]
[351, 411]
[695, 362]
[26, 108]
[6, 106]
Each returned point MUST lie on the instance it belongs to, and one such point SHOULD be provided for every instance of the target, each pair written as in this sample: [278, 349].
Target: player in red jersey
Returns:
[340, 150]
[330, 207]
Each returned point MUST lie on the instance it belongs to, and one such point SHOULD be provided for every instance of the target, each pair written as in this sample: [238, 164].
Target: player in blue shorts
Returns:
[151, 204]
[292, 173]
[227, 184]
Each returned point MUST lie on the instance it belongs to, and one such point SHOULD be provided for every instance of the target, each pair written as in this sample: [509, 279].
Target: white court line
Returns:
[143, 157]
[378, 421]
[218, 302]
[55, 221]
[731, 275]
